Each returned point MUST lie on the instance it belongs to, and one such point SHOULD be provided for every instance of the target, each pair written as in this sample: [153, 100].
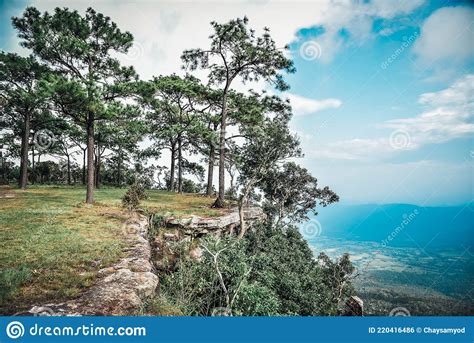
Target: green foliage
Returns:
[78, 89]
[135, 193]
[189, 186]
[196, 286]
[8, 171]
[236, 52]
[252, 58]
[269, 272]
[159, 306]
[87, 82]
[231, 194]
[256, 299]
[174, 109]
[285, 264]
[291, 192]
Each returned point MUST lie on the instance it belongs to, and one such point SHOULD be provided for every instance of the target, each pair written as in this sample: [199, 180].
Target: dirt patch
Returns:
[6, 193]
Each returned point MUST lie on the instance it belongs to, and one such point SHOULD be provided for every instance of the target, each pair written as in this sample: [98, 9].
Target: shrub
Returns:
[269, 272]
[159, 306]
[134, 194]
[190, 186]
[255, 299]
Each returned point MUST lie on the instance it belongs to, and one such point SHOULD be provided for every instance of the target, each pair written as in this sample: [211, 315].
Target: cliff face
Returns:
[177, 230]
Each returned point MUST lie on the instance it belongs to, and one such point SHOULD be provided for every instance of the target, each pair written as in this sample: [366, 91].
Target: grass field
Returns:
[52, 244]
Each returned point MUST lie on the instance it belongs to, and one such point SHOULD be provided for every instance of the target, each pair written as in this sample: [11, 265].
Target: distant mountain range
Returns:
[401, 225]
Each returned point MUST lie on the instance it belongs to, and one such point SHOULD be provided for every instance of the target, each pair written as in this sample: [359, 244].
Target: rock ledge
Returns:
[203, 225]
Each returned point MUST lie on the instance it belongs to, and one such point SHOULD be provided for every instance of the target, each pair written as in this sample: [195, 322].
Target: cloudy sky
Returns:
[383, 94]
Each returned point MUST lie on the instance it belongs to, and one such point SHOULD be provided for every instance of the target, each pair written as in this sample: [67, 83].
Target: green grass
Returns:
[180, 205]
[52, 244]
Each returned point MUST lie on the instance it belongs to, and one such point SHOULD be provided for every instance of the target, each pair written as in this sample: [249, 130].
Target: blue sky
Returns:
[383, 94]
[432, 164]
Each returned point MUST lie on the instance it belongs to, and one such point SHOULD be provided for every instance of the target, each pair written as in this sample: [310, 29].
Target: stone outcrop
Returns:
[121, 288]
[186, 229]
[196, 225]
[354, 307]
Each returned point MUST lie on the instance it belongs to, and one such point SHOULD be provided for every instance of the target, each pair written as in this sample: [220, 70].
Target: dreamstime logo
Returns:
[400, 312]
[43, 139]
[312, 229]
[310, 50]
[407, 41]
[221, 312]
[400, 139]
[135, 52]
[15, 330]
[130, 228]
[406, 220]
[42, 311]
[215, 141]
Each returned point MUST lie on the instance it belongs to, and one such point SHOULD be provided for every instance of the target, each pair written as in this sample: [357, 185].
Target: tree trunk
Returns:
[231, 180]
[4, 179]
[33, 169]
[68, 170]
[24, 153]
[119, 168]
[97, 182]
[210, 169]
[180, 166]
[220, 201]
[90, 159]
[84, 166]
[173, 158]
[242, 199]
[97, 168]
[96, 159]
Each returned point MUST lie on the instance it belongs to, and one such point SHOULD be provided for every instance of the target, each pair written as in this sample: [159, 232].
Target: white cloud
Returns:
[446, 35]
[458, 94]
[449, 115]
[357, 19]
[353, 149]
[164, 29]
[302, 105]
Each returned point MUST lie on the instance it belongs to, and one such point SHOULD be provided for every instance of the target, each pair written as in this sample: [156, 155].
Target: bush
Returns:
[269, 272]
[159, 306]
[134, 194]
[285, 264]
[195, 286]
[190, 186]
[231, 193]
[255, 299]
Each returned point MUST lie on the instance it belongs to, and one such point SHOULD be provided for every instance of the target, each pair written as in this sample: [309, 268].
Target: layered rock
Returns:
[196, 225]
[186, 229]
